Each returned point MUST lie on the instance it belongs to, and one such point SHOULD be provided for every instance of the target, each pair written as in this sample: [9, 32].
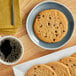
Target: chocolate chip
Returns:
[52, 67]
[34, 74]
[71, 66]
[57, 27]
[52, 73]
[55, 31]
[60, 23]
[53, 39]
[66, 64]
[74, 64]
[70, 60]
[45, 36]
[50, 18]
[49, 24]
[63, 30]
[40, 26]
[43, 16]
[56, 35]
[38, 16]
[38, 66]
[70, 72]
[54, 25]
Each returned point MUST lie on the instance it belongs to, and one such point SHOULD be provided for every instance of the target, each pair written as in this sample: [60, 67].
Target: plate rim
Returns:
[29, 32]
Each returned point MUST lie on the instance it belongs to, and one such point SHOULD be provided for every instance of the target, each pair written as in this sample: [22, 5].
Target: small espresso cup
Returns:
[21, 53]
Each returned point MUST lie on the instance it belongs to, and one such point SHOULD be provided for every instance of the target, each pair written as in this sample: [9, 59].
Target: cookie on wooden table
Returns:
[59, 68]
[51, 26]
[74, 55]
[41, 70]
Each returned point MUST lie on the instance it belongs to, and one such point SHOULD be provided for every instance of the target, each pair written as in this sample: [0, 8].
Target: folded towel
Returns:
[8, 31]
[6, 14]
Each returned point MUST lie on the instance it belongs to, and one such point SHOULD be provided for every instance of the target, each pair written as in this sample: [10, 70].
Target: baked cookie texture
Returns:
[72, 68]
[51, 26]
[41, 70]
[59, 68]
[64, 67]
[70, 62]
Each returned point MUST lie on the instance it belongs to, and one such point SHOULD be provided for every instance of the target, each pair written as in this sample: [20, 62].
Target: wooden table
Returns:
[31, 50]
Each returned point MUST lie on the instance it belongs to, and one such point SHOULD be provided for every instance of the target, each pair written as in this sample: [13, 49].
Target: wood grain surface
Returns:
[31, 50]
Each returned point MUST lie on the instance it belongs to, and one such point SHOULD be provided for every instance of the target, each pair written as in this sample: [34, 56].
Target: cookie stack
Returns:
[64, 67]
[51, 26]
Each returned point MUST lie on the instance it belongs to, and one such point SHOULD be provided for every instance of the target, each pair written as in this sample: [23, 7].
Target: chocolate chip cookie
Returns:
[51, 26]
[59, 68]
[70, 62]
[41, 70]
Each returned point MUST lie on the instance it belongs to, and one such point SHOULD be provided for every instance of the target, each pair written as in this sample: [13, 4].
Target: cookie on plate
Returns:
[41, 70]
[59, 68]
[51, 26]
[70, 62]
[74, 55]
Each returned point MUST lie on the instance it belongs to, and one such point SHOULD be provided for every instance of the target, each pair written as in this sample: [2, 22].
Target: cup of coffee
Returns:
[11, 50]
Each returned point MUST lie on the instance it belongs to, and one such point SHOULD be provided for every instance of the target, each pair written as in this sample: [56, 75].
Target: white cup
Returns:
[11, 63]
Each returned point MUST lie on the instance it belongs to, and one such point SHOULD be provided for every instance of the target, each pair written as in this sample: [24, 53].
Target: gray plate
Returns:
[44, 6]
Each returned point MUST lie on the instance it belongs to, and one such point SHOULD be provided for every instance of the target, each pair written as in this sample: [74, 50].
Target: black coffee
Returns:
[10, 50]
